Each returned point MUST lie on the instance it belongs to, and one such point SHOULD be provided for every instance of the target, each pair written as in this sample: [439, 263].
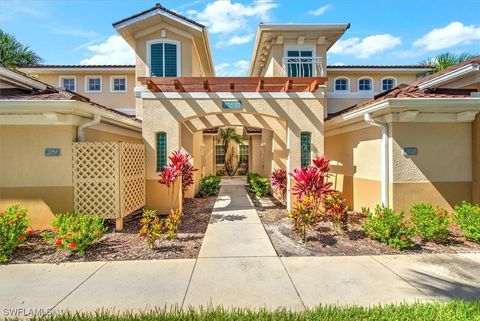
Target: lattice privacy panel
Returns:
[108, 178]
[132, 177]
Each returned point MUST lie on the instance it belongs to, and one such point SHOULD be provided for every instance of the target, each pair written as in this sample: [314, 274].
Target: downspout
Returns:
[80, 131]
[384, 160]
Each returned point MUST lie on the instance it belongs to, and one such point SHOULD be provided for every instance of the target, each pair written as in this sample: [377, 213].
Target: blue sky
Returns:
[381, 32]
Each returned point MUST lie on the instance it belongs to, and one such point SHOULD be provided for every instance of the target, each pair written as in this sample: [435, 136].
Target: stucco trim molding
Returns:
[59, 112]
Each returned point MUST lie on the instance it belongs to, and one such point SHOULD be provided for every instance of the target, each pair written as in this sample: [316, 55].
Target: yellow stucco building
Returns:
[395, 134]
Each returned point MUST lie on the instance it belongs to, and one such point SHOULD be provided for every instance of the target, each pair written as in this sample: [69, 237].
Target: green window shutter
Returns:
[305, 149]
[156, 59]
[161, 150]
[170, 60]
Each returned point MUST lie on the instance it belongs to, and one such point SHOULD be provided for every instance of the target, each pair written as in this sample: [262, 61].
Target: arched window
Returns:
[365, 84]
[163, 58]
[388, 83]
[342, 84]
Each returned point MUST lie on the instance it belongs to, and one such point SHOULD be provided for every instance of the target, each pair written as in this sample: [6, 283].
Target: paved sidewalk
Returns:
[238, 266]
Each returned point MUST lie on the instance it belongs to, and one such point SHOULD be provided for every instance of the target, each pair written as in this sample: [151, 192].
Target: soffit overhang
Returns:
[268, 35]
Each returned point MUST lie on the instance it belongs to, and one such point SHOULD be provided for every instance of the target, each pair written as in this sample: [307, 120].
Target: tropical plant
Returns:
[305, 215]
[467, 216]
[336, 209]
[13, 227]
[228, 135]
[172, 223]
[183, 163]
[209, 186]
[76, 232]
[312, 180]
[445, 60]
[278, 180]
[151, 227]
[430, 223]
[259, 185]
[13, 54]
[389, 227]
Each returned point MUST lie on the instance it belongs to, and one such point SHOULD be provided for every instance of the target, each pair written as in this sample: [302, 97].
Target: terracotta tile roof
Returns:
[52, 93]
[78, 66]
[378, 66]
[159, 6]
[412, 90]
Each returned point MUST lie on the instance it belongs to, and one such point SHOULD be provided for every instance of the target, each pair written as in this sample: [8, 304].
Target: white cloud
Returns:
[456, 33]
[223, 16]
[320, 11]
[235, 40]
[238, 68]
[339, 64]
[366, 47]
[113, 51]
[233, 22]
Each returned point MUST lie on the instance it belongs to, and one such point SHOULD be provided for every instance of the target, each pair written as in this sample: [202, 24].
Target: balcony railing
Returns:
[303, 67]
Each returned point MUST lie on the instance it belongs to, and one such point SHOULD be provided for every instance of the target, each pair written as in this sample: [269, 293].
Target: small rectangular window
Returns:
[219, 154]
[94, 84]
[305, 149]
[68, 83]
[118, 84]
[243, 157]
[161, 150]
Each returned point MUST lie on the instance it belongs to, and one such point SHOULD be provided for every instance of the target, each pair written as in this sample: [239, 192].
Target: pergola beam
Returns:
[232, 84]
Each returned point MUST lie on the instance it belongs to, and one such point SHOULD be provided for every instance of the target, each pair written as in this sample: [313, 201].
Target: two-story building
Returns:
[394, 135]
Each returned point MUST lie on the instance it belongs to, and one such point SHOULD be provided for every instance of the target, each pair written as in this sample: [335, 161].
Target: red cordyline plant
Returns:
[312, 180]
[182, 162]
[278, 180]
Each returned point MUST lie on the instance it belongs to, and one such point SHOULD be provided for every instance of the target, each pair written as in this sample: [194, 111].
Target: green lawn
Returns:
[455, 310]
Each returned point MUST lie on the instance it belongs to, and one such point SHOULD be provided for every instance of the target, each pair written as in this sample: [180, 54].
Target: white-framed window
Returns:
[219, 154]
[243, 154]
[118, 84]
[163, 58]
[299, 61]
[67, 82]
[365, 84]
[93, 84]
[341, 84]
[388, 83]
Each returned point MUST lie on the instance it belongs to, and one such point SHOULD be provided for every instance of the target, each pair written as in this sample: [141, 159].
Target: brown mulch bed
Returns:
[127, 245]
[325, 241]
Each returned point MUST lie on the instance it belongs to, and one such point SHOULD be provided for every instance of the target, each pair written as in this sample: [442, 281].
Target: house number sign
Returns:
[52, 152]
[231, 104]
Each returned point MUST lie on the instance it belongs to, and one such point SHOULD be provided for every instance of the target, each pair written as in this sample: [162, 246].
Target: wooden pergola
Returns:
[232, 84]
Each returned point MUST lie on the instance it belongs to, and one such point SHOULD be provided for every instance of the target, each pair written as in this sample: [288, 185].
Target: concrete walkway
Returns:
[237, 266]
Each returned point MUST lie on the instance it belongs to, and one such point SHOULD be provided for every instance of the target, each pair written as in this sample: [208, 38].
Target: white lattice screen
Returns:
[108, 178]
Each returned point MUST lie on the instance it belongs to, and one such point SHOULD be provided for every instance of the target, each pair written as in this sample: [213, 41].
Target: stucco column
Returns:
[157, 119]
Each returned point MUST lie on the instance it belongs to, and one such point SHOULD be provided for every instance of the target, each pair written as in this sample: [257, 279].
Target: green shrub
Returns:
[431, 224]
[13, 227]
[209, 186]
[251, 176]
[259, 185]
[76, 232]
[467, 216]
[389, 227]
